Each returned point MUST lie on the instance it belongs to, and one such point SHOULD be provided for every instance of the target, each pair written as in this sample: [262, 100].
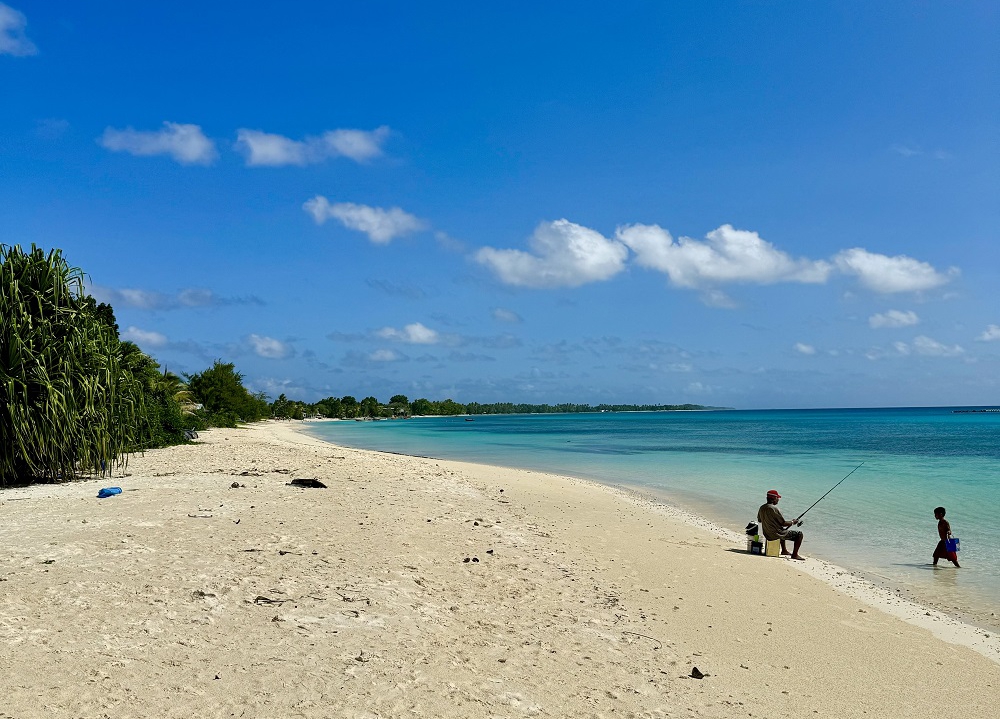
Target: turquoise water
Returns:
[720, 464]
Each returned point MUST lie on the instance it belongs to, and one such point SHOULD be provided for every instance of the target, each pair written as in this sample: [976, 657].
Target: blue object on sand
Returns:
[109, 492]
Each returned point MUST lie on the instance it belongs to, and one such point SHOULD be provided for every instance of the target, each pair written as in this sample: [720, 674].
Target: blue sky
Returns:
[748, 204]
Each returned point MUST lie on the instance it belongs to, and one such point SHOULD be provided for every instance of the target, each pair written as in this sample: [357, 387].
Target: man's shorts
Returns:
[793, 535]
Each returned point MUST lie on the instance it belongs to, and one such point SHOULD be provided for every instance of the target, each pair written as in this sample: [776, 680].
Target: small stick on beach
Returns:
[659, 644]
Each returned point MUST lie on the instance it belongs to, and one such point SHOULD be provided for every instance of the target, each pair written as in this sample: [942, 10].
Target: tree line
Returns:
[399, 405]
[77, 399]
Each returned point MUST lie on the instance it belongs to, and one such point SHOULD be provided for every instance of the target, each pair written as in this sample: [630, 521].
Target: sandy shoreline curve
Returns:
[187, 597]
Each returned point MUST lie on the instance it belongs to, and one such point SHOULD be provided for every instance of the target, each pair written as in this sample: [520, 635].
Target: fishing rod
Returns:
[799, 520]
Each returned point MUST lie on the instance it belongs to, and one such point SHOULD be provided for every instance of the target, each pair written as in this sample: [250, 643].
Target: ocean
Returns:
[720, 464]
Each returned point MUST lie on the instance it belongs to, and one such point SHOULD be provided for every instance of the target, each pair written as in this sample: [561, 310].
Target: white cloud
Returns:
[717, 298]
[415, 333]
[727, 255]
[385, 356]
[804, 349]
[358, 145]
[185, 143]
[268, 347]
[887, 275]
[141, 298]
[379, 224]
[502, 315]
[932, 348]
[990, 334]
[274, 387]
[699, 388]
[565, 255]
[197, 297]
[13, 41]
[893, 318]
[448, 242]
[264, 149]
[144, 338]
[921, 345]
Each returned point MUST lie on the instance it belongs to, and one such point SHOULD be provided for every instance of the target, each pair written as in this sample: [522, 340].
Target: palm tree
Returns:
[67, 404]
[173, 386]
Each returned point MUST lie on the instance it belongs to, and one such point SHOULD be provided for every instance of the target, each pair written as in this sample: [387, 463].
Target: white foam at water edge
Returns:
[938, 623]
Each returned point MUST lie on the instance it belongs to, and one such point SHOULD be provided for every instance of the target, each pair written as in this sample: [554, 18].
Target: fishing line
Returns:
[827, 492]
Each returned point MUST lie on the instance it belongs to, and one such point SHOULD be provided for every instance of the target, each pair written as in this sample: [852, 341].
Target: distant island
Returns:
[399, 406]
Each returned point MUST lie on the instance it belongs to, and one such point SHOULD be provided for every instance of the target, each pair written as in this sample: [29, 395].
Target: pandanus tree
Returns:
[67, 404]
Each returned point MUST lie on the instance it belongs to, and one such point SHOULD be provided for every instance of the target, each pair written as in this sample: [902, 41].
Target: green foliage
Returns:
[161, 421]
[284, 408]
[224, 399]
[329, 407]
[68, 403]
[281, 408]
[399, 406]
[370, 407]
[348, 407]
[422, 406]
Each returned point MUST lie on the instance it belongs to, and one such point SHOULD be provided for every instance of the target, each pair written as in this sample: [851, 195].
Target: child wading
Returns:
[944, 532]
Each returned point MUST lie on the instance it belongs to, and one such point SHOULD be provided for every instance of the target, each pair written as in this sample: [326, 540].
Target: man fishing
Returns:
[775, 526]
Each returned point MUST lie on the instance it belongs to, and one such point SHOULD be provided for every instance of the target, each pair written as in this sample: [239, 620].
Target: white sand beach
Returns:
[427, 588]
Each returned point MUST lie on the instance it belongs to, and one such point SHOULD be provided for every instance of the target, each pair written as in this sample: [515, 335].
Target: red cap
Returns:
[773, 493]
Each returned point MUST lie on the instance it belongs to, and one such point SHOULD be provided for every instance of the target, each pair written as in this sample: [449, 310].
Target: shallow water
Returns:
[720, 464]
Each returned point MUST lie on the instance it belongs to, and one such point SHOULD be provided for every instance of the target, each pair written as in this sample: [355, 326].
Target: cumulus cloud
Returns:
[502, 315]
[358, 145]
[184, 143]
[264, 149]
[379, 224]
[563, 254]
[13, 41]
[804, 349]
[932, 348]
[268, 347]
[727, 255]
[887, 275]
[990, 334]
[415, 333]
[144, 338]
[893, 318]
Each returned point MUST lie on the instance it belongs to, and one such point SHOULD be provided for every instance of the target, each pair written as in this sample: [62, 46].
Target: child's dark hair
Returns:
[939, 510]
